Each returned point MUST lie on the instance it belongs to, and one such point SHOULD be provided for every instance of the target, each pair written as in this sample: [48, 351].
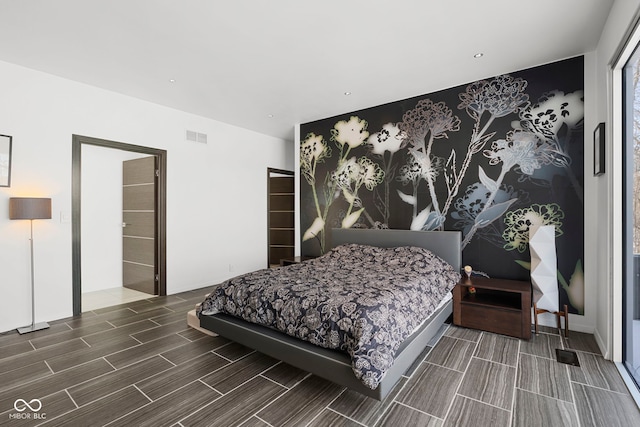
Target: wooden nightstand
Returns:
[498, 305]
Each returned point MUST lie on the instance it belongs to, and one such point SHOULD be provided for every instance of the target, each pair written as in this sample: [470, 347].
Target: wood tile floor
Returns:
[138, 364]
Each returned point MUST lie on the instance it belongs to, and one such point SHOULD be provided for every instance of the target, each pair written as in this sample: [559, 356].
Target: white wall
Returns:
[102, 216]
[607, 210]
[216, 193]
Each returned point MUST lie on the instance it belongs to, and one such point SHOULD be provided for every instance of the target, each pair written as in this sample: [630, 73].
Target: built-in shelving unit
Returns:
[281, 223]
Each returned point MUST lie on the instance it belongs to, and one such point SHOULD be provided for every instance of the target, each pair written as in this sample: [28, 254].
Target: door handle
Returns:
[124, 224]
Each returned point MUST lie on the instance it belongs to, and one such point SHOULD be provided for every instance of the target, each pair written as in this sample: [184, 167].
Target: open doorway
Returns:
[141, 243]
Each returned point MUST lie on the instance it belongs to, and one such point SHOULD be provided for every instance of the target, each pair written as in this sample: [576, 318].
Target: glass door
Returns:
[631, 217]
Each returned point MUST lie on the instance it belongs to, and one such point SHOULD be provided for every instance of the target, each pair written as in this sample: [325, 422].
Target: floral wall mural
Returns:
[490, 158]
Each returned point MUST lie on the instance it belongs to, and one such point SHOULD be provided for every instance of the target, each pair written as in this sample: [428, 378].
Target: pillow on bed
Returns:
[400, 257]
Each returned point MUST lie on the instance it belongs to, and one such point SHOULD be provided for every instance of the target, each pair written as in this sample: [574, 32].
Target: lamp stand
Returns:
[34, 326]
[558, 314]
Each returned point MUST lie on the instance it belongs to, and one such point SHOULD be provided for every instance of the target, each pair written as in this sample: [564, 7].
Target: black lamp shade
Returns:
[29, 208]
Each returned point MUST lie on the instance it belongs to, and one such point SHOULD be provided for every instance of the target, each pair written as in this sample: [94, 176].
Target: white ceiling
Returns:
[239, 61]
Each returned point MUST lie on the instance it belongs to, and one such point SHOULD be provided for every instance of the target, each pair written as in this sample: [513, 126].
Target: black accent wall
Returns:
[490, 158]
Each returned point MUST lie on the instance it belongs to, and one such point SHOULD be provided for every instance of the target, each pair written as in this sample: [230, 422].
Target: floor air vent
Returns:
[567, 356]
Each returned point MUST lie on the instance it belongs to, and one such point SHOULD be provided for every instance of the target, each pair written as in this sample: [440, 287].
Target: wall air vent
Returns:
[196, 136]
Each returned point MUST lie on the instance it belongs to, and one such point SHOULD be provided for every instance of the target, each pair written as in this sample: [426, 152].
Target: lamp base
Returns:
[33, 328]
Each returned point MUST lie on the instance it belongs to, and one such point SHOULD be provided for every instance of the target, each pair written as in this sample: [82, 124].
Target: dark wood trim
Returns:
[76, 231]
[280, 171]
[76, 194]
[269, 172]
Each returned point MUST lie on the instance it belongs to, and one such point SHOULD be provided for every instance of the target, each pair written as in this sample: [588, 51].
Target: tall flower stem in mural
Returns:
[350, 176]
[480, 221]
[499, 97]
[478, 140]
[432, 120]
[523, 149]
[314, 150]
[389, 172]
[423, 155]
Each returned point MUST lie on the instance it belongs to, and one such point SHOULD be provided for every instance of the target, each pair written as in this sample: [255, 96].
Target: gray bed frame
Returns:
[335, 365]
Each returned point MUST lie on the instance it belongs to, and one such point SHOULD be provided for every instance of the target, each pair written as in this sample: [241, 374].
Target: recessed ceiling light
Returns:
[478, 55]
[270, 116]
[347, 93]
[172, 80]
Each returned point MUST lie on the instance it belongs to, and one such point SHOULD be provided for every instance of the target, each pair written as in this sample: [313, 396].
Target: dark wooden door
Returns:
[139, 260]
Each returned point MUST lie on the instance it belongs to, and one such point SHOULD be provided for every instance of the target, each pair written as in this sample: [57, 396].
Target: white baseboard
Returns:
[575, 323]
[602, 345]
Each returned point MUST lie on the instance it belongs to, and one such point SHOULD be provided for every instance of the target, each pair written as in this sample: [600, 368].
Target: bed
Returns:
[324, 358]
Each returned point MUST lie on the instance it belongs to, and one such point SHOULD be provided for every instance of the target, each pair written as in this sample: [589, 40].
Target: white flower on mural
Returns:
[313, 150]
[350, 177]
[553, 110]
[499, 97]
[523, 149]
[519, 222]
[346, 173]
[553, 119]
[352, 133]
[390, 139]
[370, 173]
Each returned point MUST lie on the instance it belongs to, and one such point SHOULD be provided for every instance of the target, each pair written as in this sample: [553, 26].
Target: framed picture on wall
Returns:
[598, 150]
[5, 161]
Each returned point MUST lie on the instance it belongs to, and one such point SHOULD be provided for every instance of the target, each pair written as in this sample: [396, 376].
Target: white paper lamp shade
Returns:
[544, 275]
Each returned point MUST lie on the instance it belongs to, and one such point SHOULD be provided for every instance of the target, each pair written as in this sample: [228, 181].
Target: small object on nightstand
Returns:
[468, 270]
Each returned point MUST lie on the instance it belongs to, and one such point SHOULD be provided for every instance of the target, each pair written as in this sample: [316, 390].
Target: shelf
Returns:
[504, 285]
[280, 218]
[485, 297]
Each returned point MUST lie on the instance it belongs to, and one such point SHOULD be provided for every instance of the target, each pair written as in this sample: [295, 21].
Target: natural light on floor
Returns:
[109, 297]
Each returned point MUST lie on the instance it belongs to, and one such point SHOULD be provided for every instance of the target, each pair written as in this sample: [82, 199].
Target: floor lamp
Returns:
[31, 208]
[544, 275]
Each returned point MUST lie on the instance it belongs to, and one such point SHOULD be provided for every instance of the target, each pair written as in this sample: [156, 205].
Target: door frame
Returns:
[76, 195]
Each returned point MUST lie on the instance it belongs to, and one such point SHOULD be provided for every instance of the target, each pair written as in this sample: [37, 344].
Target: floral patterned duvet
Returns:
[363, 300]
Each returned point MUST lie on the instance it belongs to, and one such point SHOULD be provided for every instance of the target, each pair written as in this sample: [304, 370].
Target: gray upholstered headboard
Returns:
[445, 244]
